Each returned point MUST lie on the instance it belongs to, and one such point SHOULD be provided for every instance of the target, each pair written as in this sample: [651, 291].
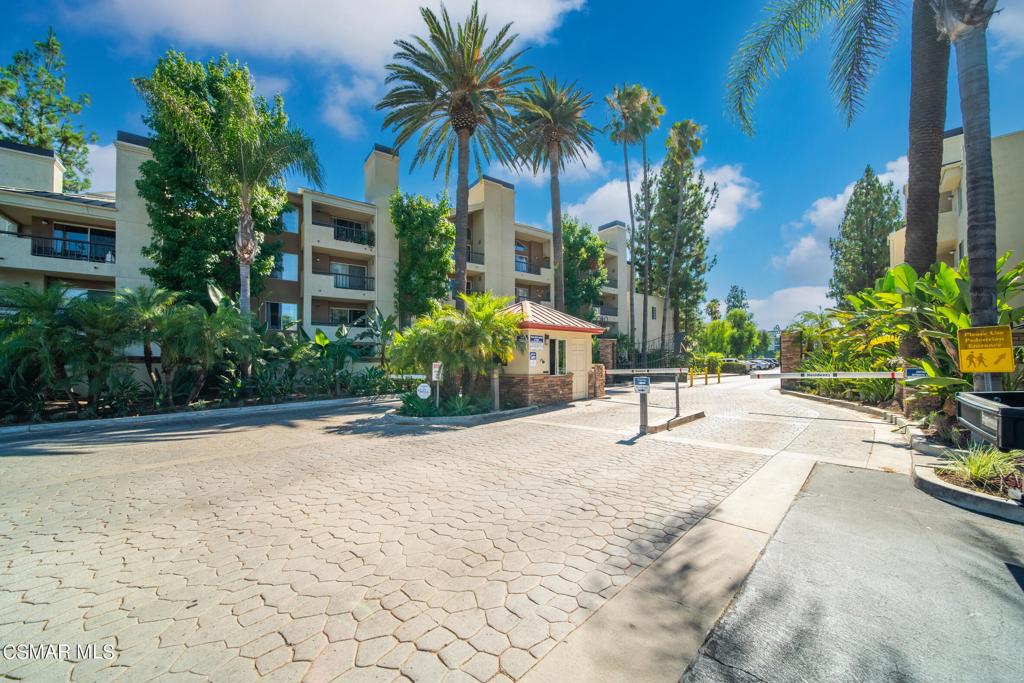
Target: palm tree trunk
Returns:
[647, 250]
[929, 79]
[672, 255]
[147, 359]
[632, 258]
[197, 387]
[972, 77]
[556, 228]
[462, 218]
[246, 247]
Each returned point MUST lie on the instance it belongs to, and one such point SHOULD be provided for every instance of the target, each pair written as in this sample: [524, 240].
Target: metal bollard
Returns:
[705, 375]
[690, 373]
[719, 375]
[643, 414]
[677, 394]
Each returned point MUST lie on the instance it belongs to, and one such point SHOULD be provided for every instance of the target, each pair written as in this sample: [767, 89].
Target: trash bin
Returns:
[993, 416]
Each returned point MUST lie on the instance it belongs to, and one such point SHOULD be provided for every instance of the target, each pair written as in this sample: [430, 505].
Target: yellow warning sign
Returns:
[986, 349]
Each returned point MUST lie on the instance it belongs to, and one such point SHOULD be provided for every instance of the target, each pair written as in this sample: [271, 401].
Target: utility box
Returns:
[993, 416]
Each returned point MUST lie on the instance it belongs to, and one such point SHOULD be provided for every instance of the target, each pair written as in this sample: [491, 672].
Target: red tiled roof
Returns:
[538, 317]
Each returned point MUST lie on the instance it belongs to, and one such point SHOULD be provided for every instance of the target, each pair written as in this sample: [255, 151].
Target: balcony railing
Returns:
[344, 232]
[73, 250]
[524, 266]
[536, 298]
[361, 322]
[346, 281]
[475, 256]
[609, 311]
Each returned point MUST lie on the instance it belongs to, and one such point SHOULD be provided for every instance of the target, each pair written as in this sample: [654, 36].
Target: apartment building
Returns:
[1008, 173]
[337, 259]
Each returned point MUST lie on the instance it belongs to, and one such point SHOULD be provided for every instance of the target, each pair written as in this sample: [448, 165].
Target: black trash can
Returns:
[993, 416]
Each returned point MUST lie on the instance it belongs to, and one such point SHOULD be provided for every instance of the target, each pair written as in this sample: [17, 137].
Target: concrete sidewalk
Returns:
[868, 579]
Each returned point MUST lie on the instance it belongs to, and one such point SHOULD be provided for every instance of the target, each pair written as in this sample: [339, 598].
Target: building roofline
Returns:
[503, 183]
[134, 138]
[28, 149]
[953, 132]
[612, 224]
[383, 149]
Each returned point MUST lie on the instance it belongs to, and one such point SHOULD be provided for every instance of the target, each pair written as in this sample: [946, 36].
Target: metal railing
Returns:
[475, 256]
[361, 322]
[536, 298]
[532, 267]
[609, 310]
[356, 235]
[73, 250]
[346, 281]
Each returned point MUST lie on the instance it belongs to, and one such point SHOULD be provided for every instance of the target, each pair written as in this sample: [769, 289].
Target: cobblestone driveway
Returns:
[327, 548]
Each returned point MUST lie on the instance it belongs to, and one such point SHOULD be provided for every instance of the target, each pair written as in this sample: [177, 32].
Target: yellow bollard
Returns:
[719, 374]
[690, 373]
[705, 375]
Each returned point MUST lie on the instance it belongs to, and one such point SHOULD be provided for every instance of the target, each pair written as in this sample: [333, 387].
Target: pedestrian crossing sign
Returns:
[986, 349]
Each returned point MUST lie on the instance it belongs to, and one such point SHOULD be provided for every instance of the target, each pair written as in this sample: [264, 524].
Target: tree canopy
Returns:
[585, 271]
[426, 239]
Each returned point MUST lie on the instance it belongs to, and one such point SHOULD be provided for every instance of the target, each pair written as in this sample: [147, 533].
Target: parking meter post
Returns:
[643, 414]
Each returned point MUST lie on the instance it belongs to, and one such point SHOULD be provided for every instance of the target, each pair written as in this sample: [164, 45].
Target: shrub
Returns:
[414, 406]
[984, 467]
[737, 368]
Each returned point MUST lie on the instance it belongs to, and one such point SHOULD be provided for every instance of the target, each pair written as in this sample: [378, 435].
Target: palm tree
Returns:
[455, 89]
[102, 331]
[683, 145]
[964, 22]
[552, 130]
[624, 104]
[380, 330]
[862, 33]
[143, 307]
[648, 119]
[244, 143]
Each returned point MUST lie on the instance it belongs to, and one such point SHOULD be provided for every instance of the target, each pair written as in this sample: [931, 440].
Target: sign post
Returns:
[435, 375]
[984, 350]
[642, 386]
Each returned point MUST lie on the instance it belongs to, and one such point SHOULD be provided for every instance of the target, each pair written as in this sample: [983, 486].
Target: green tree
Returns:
[736, 298]
[860, 253]
[143, 307]
[713, 309]
[585, 271]
[862, 31]
[647, 120]
[35, 110]
[455, 89]
[964, 23]
[380, 332]
[426, 238]
[714, 337]
[102, 331]
[743, 332]
[552, 131]
[242, 143]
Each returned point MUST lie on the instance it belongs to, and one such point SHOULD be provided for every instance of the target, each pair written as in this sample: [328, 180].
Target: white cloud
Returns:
[737, 195]
[782, 305]
[808, 261]
[352, 32]
[342, 102]
[1007, 28]
[826, 213]
[268, 86]
[590, 167]
[102, 168]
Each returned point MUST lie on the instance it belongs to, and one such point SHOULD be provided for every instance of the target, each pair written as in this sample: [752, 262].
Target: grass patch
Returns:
[985, 468]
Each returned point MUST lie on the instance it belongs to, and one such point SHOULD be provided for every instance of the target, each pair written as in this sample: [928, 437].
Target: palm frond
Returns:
[863, 32]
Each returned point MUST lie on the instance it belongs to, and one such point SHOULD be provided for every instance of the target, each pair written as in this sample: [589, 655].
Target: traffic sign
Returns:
[986, 349]
[912, 373]
[423, 390]
[642, 384]
[435, 371]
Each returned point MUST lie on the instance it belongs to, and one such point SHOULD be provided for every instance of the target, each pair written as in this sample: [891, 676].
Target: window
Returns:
[290, 219]
[347, 316]
[281, 316]
[348, 225]
[286, 267]
[654, 312]
[522, 257]
[522, 293]
[85, 244]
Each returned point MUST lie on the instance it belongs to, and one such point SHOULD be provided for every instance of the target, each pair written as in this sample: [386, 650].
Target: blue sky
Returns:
[783, 190]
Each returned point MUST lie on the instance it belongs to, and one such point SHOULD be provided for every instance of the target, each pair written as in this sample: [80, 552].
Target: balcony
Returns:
[347, 231]
[362, 283]
[71, 256]
[531, 267]
[610, 311]
[476, 257]
[71, 249]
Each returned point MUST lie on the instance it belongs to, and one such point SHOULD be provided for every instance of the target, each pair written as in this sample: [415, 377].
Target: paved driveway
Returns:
[329, 548]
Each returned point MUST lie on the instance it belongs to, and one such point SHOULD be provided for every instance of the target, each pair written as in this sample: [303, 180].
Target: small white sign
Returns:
[435, 371]
[537, 341]
[642, 384]
[423, 390]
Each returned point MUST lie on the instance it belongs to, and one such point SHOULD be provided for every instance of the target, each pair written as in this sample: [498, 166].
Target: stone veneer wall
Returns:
[790, 355]
[535, 390]
[606, 352]
[595, 383]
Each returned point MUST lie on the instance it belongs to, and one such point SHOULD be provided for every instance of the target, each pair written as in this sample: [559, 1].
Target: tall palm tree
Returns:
[862, 32]
[965, 22]
[455, 89]
[143, 307]
[683, 145]
[551, 131]
[648, 119]
[243, 143]
[624, 103]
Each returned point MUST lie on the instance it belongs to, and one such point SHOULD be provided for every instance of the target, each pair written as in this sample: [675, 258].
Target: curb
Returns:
[922, 472]
[675, 422]
[111, 423]
[457, 420]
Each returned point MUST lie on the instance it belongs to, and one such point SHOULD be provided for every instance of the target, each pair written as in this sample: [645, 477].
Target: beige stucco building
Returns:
[338, 254]
[1008, 172]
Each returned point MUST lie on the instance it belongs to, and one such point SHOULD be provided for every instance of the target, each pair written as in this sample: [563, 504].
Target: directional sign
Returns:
[986, 349]
[423, 391]
[913, 373]
[642, 384]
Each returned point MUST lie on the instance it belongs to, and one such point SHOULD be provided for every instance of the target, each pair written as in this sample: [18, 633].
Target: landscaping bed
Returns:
[987, 470]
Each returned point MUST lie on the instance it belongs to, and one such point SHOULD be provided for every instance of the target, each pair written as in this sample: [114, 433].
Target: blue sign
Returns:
[642, 384]
[911, 373]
